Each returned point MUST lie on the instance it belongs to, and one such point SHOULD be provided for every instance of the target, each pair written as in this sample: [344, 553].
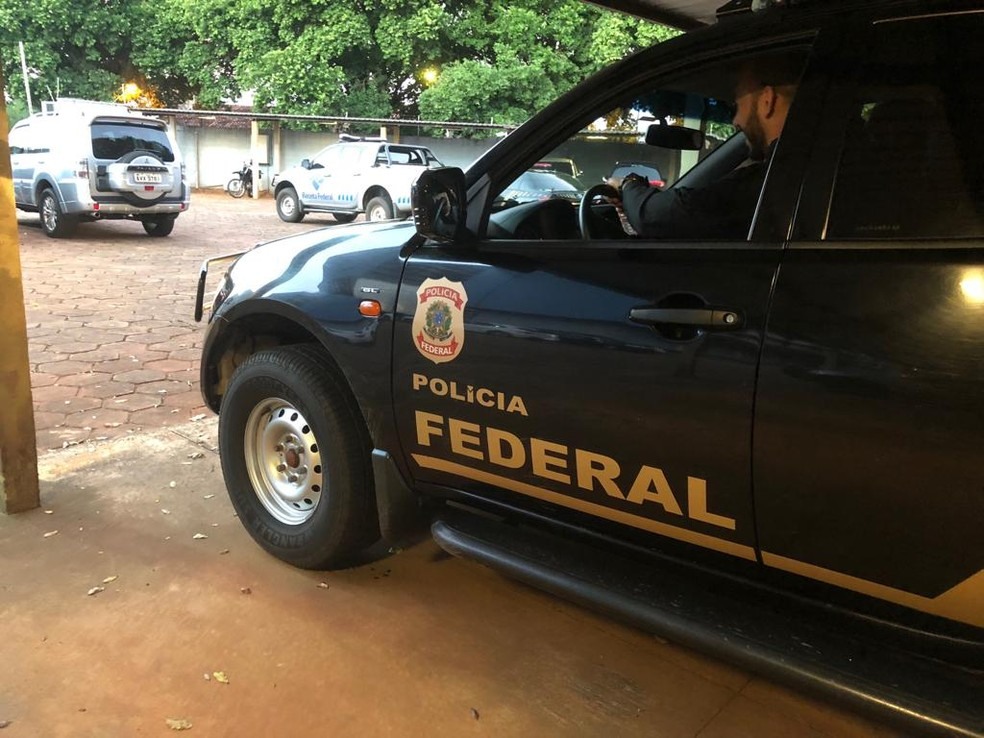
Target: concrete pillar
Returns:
[18, 448]
[254, 145]
[392, 135]
[277, 163]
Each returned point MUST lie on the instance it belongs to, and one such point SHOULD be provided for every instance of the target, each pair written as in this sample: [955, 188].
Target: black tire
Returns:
[296, 458]
[235, 187]
[54, 222]
[159, 226]
[345, 217]
[289, 206]
[379, 208]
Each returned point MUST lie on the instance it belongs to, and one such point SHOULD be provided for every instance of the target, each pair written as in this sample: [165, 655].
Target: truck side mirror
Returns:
[438, 199]
[306, 163]
[679, 138]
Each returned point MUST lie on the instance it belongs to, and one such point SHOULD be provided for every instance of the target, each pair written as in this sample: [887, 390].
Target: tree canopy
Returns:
[476, 60]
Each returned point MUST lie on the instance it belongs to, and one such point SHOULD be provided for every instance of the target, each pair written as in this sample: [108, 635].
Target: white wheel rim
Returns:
[283, 460]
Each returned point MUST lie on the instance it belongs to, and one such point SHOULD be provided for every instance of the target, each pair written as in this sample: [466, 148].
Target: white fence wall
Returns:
[213, 155]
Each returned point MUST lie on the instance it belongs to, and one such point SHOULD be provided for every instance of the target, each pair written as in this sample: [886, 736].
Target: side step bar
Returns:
[775, 636]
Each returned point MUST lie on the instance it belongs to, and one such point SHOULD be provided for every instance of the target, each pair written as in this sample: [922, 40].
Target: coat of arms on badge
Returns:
[438, 322]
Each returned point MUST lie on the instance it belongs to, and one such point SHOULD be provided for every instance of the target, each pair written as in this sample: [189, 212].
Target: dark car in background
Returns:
[535, 185]
[646, 169]
[562, 164]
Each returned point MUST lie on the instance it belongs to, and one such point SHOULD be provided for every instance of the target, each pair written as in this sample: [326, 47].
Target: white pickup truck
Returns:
[354, 176]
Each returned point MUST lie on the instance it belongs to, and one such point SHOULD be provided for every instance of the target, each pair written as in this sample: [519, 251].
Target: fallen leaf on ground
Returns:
[95, 591]
[51, 533]
[208, 677]
[48, 512]
[246, 590]
[196, 455]
[172, 485]
[220, 676]
[4, 724]
[178, 724]
[165, 511]
[223, 551]
[474, 713]
[323, 585]
[199, 536]
[113, 578]
[209, 497]
[198, 417]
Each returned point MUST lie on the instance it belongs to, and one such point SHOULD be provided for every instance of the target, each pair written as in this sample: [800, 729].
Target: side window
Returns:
[398, 155]
[327, 158]
[672, 135]
[355, 156]
[26, 140]
[912, 165]
[18, 140]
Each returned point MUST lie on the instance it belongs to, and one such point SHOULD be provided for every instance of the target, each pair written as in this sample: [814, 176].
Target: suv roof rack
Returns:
[350, 137]
[66, 104]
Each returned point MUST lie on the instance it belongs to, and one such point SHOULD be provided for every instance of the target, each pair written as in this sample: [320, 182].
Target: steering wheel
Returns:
[585, 217]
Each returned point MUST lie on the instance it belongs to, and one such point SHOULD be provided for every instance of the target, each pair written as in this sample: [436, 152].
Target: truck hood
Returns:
[333, 240]
[298, 262]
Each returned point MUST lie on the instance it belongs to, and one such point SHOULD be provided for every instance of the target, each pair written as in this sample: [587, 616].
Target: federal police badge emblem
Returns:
[438, 322]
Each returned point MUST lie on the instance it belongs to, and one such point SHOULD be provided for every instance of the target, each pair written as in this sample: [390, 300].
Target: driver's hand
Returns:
[615, 182]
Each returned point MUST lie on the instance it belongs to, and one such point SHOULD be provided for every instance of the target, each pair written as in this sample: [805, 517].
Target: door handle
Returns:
[697, 317]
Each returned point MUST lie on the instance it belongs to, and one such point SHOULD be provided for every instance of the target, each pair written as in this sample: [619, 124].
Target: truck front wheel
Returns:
[379, 208]
[296, 458]
[289, 206]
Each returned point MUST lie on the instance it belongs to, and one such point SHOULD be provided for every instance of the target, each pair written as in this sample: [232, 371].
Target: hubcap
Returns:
[377, 213]
[49, 214]
[283, 460]
[287, 206]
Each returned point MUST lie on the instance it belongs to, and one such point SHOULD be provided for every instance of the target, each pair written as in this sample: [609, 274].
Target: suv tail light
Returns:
[82, 170]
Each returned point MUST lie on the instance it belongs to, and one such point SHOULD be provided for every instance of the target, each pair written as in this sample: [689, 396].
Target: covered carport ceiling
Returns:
[684, 14]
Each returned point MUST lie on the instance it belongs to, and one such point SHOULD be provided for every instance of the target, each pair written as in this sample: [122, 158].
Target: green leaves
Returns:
[495, 59]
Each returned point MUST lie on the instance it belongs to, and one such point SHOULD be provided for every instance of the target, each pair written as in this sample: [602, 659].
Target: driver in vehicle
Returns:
[763, 94]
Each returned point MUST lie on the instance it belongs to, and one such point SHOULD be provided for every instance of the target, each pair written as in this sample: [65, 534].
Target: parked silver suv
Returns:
[356, 175]
[80, 160]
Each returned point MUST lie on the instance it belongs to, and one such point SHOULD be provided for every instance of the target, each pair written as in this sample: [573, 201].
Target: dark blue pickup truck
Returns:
[767, 443]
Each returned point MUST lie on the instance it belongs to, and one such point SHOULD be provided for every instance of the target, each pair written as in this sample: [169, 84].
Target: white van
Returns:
[83, 160]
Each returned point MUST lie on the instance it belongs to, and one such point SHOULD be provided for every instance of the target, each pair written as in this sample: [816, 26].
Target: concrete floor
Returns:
[414, 643]
[411, 644]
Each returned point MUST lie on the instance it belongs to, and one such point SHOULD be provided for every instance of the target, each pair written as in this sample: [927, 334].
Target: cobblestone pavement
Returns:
[113, 344]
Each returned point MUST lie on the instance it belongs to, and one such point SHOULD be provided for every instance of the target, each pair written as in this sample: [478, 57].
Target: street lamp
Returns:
[130, 91]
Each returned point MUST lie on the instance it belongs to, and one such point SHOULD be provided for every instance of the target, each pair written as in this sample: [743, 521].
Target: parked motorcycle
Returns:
[242, 183]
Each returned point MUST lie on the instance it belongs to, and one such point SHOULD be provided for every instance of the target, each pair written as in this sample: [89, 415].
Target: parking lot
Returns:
[113, 342]
[134, 596]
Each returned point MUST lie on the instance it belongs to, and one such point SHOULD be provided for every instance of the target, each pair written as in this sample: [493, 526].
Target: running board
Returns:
[773, 635]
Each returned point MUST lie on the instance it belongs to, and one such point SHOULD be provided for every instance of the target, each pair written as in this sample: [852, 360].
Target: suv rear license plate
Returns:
[144, 178]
